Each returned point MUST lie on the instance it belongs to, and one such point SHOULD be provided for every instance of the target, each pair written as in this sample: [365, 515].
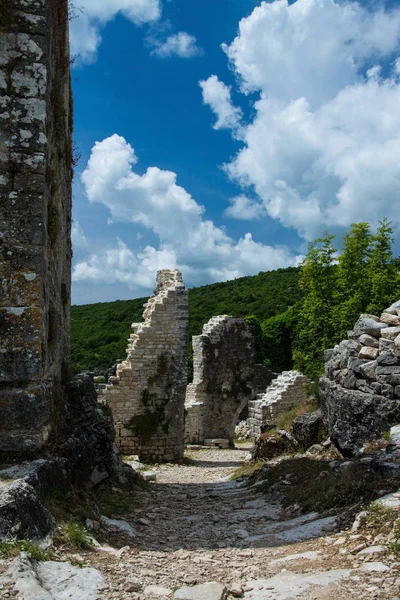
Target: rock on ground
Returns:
[22, 515]
[210, 590]
[53, 580]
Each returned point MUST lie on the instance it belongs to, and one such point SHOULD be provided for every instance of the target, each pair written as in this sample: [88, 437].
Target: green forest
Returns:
[295, 313]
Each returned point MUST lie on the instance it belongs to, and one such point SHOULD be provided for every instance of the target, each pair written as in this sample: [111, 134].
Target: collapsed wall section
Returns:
[360, 391]
[148, 393]
[223, 361]
[284, 393]
[35, 217]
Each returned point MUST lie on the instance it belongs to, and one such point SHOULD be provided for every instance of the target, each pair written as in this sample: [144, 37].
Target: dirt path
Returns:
[196, 526]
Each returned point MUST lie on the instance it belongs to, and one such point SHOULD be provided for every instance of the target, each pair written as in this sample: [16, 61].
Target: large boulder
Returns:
[22, 515]
[353, 417]
[308, 429]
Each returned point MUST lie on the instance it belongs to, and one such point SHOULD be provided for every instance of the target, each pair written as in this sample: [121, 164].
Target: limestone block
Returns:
[390, 319]
[369, 340]
[368, 353]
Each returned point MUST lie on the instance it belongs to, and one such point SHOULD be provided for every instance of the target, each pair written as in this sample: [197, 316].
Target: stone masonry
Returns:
[360, 391]
[222, 381]
[35, 217]
[148, 393]
[284, 393]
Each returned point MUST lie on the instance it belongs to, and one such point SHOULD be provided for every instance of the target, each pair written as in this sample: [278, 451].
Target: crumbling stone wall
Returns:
[360, 391]
[35, 216]
[223, 361]
[148, 393]
[284, 393]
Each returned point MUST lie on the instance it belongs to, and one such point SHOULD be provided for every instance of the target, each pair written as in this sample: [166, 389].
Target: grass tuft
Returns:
[12, 549]
[246, 470]
[76, 535]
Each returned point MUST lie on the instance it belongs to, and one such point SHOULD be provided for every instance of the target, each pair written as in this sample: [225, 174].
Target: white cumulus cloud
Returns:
[180, 44]
[322, 146]
[242, 207]
[218, 96]
[79, 240]
[154, 200]
[93, 15]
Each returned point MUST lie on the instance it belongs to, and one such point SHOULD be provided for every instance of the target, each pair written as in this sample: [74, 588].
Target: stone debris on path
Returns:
[195, 527]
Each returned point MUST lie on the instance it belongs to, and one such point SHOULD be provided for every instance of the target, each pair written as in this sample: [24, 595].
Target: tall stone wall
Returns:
[148, 393]
[284, 393]
[360, 391]
[223, 361]
[35, 216]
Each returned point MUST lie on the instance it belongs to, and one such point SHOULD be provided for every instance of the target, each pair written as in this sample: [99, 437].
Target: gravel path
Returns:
[196, 526]
[199, 526]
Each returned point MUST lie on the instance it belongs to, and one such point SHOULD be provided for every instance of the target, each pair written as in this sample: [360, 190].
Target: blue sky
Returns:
[226, 160]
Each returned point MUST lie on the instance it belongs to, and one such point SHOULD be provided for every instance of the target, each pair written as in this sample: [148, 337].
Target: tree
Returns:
[383, 271]
[315, 330]
[353, 280]
[257, 333]
[278, 334]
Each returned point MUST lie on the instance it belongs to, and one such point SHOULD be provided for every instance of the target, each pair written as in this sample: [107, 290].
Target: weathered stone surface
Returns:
[119, 526]
[395, 435]
[368, 353]
[369, 326]
[355, 416]
[35, 221]
[53, 580]
[387, 359]
[369, 369]
[22, 515]
[396, 345]
[157, 590]
[369, 340]
[391, 333]
[390, 319]
[85, 436]
[210, 591]
[267, 446]
[224, 369]
[147, 402]
[308, 429]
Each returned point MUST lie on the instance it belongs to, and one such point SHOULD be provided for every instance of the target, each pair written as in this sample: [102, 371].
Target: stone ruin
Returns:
[148, 393]
[35, 218]
[360, 391]
[224, 371]
[284, 393]
[42, 411]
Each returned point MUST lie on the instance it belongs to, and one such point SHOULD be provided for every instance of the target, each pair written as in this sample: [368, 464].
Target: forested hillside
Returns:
[100, 331]
[295, 314]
